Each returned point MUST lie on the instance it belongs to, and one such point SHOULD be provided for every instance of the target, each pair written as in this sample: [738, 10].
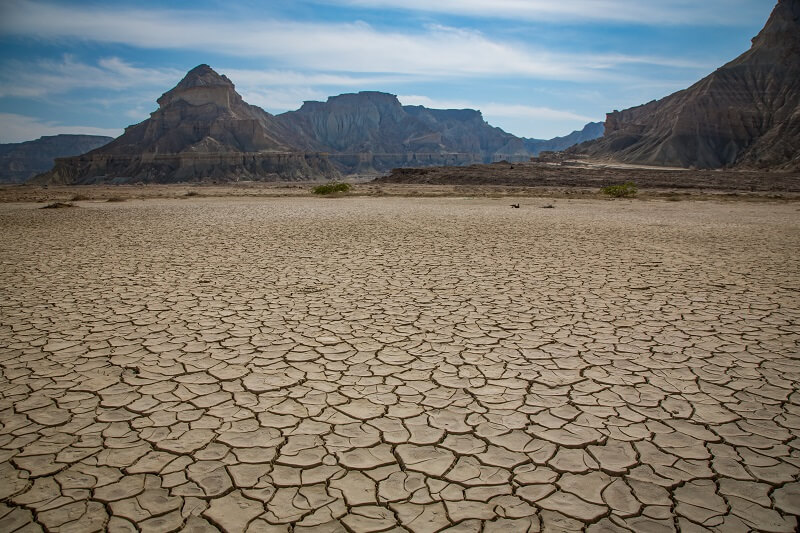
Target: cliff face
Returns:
[746, 114]
[21, 161]
[201, 130]
[372, 130]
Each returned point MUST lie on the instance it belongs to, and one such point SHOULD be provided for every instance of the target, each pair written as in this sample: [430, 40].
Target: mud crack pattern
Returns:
[420, 365]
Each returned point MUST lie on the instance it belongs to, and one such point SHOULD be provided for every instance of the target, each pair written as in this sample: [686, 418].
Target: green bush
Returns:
[333, 187]
[626, 190]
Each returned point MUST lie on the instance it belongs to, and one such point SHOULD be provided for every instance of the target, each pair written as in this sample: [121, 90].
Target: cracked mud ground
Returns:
[399, 365]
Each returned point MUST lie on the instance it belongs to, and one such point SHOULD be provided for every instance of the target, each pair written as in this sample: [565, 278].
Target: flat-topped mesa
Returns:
[202, 86]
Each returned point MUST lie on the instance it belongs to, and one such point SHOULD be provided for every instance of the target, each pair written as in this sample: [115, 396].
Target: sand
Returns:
[377, 364]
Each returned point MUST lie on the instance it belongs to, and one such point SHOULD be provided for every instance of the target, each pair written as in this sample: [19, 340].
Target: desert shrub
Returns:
[333, 187]
[626, 190]
[116, 199]
[192, 193]
[78, 197]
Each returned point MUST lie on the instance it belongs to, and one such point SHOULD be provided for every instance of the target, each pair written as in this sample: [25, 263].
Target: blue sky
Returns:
[536, 68]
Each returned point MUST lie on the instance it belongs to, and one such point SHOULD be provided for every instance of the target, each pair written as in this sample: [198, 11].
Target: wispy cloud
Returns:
[671, 12]
[431, 51]
[19, 128]
[280, 78]
[43, 77]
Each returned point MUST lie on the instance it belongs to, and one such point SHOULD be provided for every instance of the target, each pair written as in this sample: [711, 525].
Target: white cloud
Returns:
[494, 109]
[672, 12]
[280, 100]
[43, 77]
[18, 128]
[431, 52]
[279, 78]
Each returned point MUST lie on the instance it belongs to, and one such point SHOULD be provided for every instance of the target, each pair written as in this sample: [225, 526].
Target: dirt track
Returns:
[392, 364]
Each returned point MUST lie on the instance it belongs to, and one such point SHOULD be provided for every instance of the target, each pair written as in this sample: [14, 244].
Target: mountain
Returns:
[591, 131]
[746, 114]
[202, 130]
[20, 161]
[370, 131]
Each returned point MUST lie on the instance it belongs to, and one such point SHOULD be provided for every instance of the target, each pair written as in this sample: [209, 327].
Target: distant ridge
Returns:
[746, 114]
[21, 161]
[203, 130]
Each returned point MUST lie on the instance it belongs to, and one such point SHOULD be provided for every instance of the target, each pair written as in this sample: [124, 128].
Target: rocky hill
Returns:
[21, 161]
[591, 131]
[746, 114]
[374, 131]
[202, 130]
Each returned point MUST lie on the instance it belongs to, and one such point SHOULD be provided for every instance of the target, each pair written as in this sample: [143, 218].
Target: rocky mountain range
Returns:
[746, 114]
[201, 130]
[21, 161]
[591, 131]
[204, 130]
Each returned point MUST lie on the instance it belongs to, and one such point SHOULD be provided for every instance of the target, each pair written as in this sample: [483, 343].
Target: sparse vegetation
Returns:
[116, 199]
[626, 190]
[192, 193]
[78, 197]
[333, 187]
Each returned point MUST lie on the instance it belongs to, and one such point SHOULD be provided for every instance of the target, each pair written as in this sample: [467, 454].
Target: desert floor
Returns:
[392, 364]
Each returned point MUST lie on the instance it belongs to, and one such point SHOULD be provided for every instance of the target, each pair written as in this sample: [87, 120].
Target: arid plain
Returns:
[392, 364]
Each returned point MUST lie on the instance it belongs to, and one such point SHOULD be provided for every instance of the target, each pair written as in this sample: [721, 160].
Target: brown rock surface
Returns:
[201, 130]
[745, 114]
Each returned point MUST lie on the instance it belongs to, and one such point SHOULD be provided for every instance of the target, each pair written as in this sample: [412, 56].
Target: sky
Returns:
[536, 68]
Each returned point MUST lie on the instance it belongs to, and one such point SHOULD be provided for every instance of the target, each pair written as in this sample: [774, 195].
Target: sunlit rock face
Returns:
[746, 114]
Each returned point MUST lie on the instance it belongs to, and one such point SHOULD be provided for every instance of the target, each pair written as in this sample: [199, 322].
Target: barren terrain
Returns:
[398, 364]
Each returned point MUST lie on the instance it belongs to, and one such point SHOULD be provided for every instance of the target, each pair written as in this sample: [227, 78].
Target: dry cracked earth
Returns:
[366, 364]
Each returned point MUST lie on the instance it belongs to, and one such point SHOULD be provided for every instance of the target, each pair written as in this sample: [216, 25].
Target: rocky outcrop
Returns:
[374, 131]
[746, 114]
[21, 161]
[202, 130]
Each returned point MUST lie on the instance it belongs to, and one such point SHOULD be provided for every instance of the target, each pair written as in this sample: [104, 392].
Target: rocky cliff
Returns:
[21, 161]
[204, 130]
[746, 114]
[374, 131]
[201, 130]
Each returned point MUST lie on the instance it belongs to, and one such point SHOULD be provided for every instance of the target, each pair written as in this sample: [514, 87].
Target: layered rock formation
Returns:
[21, 161]
[374, 131]
[201, 130]
[745, 114]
